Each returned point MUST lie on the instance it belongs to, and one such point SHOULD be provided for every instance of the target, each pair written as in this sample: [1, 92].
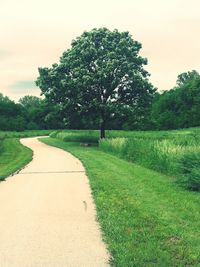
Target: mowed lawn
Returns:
[13, 156]
[147, 220]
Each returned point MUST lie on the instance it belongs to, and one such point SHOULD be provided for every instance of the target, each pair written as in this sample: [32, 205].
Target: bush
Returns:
[189, 177]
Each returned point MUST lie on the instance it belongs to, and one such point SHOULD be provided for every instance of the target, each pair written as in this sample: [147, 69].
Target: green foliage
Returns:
[40, 114]
[178, 107]
[99, 77]
[11, 115]
[146, 219]
[189, 166]
[32, 113]
[186, 77]
[30, 102]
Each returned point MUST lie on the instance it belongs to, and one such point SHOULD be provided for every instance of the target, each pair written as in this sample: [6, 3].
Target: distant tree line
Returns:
[30, 113]
[178, 107]
[172, 109]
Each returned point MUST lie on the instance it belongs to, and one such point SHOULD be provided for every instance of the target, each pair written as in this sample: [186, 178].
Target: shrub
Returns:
[189, 176]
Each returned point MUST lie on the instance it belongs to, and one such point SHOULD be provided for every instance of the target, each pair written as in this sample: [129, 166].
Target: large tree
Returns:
[99, 76]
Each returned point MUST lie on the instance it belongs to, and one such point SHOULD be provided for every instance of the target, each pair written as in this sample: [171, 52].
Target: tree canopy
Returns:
[40, 114]
[186, 77]
[100, 76]
[180, 106]
[30, 113]
[30, 101]
[11, 115]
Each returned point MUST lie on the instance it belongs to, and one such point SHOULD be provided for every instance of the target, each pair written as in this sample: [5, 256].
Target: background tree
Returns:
[30, 101]
[34, 113]
[178, 107]
[11, 115]
[101, 74]
[185, 77]
[40, 114]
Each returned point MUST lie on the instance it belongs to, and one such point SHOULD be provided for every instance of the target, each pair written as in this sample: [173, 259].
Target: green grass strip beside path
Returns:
[146, 219]
[13, 157]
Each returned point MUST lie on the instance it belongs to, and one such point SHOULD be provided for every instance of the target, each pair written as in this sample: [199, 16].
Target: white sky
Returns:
[34, 33]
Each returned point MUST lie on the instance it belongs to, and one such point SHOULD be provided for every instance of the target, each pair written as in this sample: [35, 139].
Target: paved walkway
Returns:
[47, 216]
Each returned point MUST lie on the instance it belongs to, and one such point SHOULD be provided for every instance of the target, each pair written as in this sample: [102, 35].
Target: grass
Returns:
[80, 135]
[159, 155]
[162, 151]
[31, 133]
[88, 136]
[147, 220]
[13, 156]
[164, 155]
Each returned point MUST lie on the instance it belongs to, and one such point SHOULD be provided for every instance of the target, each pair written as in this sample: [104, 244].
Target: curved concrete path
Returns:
[47, 215]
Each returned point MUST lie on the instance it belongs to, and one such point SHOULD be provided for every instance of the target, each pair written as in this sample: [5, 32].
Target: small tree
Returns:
[101, 74]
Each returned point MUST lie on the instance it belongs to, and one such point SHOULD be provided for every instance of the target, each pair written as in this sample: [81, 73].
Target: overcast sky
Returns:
[34, 33]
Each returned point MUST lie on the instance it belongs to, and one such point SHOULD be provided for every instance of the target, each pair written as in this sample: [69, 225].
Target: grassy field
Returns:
[93, 135]
[9, 134]
[147, 220]
[13, 155]
[178, 157]
[175, 153]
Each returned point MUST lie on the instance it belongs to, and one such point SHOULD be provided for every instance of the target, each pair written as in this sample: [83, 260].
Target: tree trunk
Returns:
[102, 130]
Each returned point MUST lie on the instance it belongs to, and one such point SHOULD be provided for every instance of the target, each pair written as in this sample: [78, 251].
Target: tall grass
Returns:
[163, 151]
[169, 156]
[149, 153]
[79, 135]
[89, 136]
